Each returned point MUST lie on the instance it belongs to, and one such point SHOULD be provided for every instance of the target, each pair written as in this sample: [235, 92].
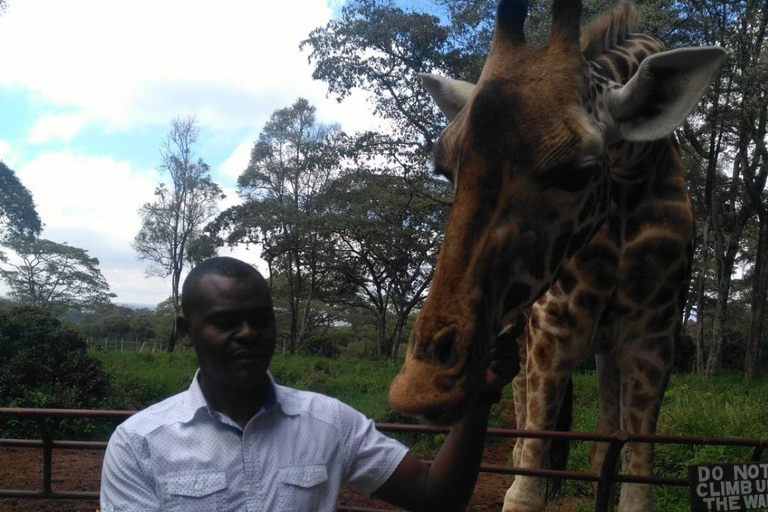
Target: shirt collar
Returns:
[276, 396]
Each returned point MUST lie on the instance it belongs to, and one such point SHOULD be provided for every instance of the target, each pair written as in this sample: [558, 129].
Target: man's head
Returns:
[227, 316]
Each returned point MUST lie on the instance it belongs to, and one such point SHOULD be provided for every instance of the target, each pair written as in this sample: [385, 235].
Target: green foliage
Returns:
[320, 345]
[722, 406]
[45, 364]
[57, 277]
[18, 216]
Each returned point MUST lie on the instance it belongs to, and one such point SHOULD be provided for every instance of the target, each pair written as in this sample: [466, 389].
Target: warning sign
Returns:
[728, 487]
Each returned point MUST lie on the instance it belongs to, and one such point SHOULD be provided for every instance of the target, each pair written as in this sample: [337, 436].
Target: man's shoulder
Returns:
[171, 410]
[315, 406]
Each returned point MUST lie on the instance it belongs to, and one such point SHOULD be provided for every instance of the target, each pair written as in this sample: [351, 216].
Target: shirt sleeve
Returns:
[372, 456]
[125, 485]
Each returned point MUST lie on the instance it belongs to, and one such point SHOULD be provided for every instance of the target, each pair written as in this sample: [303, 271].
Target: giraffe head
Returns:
[526, 152]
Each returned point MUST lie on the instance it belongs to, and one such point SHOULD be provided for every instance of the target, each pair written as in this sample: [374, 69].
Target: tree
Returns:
[292, 160]
[45, 364]
[386, 232]
[18, 216]
[180, 211]
[53, 276]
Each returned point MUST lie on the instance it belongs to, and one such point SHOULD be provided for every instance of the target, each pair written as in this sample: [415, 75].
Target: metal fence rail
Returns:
[128, 345]
[607, 477]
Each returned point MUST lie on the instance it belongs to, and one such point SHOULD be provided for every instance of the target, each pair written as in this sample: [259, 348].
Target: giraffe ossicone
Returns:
[570, 207]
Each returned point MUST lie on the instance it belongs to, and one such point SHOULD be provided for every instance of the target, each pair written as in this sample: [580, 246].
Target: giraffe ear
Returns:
[662, 93]
[450, 95]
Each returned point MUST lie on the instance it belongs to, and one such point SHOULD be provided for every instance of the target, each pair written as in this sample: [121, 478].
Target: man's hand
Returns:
[504, 358]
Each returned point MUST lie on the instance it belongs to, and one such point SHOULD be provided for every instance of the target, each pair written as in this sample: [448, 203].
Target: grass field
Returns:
[725, 406]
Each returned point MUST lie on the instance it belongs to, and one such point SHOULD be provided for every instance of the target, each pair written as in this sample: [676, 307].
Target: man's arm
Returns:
[125, 486]
[448, 483]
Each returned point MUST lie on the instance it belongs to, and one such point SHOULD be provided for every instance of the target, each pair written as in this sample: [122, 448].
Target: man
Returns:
[237, 441]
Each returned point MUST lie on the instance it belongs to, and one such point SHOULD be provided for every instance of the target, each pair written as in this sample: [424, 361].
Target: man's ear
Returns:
[450, 95]
[662, 93]
[182, 330]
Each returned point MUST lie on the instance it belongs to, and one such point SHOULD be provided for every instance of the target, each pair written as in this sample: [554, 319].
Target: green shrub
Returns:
[319, 345]
[45, 365]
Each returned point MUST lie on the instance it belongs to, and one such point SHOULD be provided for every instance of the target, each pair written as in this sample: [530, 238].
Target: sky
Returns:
[88, 89]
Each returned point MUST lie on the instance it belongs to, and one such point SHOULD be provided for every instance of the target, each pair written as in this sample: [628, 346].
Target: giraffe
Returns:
[570, 206]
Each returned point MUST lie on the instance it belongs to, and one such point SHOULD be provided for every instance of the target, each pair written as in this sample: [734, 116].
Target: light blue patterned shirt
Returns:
[294, 454]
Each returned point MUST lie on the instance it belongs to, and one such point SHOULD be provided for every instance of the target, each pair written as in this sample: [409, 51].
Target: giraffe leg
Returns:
[519, 393]
[644, 375]
[608, 420]
[557, 337]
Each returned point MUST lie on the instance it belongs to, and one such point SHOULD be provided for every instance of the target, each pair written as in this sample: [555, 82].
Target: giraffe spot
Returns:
[670, 191]
[588, 300]
[664, 295]
[661, 321]
[633, 197]
[558, 250]
[533, 381]
[567, 281]
[674, 219]
[543, 355]
[597, 265]
[579, 240]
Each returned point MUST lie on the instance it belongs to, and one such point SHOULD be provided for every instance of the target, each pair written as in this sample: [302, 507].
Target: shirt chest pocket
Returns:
[301, 488]
[194, 491]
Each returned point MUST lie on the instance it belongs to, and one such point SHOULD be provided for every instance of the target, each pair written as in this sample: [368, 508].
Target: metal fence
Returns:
[129, 345]
[605, 479]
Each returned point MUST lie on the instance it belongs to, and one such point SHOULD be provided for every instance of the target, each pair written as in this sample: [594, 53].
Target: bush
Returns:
[319, 345]
[45, 364]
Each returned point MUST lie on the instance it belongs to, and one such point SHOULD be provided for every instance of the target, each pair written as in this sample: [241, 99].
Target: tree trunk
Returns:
[701, 298]
[396, 336]
[726, 260]
[759, 290]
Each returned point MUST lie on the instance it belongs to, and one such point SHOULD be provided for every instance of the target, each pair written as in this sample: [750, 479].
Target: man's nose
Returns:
[246, 332]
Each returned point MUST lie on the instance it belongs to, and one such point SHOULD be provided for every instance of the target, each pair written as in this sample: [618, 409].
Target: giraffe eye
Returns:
[569, 177]
[442, 171]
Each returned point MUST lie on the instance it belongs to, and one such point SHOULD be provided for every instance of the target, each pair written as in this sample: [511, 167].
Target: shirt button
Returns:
[198, 485]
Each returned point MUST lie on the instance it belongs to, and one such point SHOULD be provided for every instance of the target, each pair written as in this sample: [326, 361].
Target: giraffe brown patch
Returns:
[664, 295]
[558, 249]
[661, 321]
[579, 240]
[670, 190]
[543, 354]
[674, 219]
[588, 300]
[567, 281]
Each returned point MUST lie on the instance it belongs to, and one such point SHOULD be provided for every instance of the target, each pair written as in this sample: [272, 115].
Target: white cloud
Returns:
[56, 126]
[92, 193]
[7, 154]
[126, 63]
[236, 163]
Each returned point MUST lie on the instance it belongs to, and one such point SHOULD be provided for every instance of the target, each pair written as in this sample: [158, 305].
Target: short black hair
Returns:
[220, 266]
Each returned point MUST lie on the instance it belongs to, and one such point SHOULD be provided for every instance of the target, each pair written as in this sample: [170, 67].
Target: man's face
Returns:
[232, 327]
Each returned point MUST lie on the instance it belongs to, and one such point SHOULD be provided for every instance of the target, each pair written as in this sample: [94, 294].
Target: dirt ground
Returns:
[80, 470]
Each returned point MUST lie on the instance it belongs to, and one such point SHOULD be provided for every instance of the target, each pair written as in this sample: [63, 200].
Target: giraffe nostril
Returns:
[445, 352]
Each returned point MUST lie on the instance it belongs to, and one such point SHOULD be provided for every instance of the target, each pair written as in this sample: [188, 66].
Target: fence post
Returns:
[607, 478]
[757, 453]
[47, 455]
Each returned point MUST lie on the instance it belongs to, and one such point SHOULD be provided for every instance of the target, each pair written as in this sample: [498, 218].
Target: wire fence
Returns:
[608, 476]
[129, 345]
